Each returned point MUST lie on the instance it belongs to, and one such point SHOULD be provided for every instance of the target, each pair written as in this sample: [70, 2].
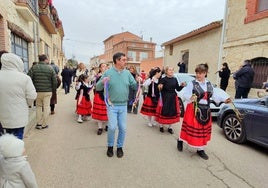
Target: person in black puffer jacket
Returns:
[45, 82]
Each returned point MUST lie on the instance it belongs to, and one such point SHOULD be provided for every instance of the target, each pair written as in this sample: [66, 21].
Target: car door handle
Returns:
[250, 111]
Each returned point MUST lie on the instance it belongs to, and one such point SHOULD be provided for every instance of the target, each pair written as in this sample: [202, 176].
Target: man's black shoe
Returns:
[161, 129]
[110, 151]
[106, 128]
[202, 154]
[120, 152]
[180, 145]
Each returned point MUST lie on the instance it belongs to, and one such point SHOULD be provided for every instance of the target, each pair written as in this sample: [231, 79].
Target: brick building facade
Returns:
[29, 28]
[246, 37]
[135, 48]
[148, 64]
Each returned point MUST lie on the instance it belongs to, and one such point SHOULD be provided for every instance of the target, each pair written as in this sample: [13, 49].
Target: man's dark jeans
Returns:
[66, 86]
[241, 92]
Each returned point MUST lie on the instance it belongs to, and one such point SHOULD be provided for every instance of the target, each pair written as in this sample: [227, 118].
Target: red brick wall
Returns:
[123, 42]
[109, 51]
[252, 13]
[3, 30]
[147, 64]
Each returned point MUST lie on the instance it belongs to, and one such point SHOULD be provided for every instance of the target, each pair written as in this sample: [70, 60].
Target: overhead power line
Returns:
[84, 41]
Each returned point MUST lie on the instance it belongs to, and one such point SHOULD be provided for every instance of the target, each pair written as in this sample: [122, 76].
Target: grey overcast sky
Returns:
[87, 23]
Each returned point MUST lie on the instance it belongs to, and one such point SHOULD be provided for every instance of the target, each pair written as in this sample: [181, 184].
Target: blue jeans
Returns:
[117, 116]
[18, 132]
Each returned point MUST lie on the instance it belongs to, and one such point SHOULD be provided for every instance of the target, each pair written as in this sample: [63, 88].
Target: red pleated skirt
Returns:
[148, 107]
[84, 108]
[192, 132]
[99, 111]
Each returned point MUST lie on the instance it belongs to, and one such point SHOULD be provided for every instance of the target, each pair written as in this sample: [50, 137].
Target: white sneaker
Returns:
[150, 124]
[79, 120]
[154, 123]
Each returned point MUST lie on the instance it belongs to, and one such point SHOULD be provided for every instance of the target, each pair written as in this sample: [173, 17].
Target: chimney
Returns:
[151, 39]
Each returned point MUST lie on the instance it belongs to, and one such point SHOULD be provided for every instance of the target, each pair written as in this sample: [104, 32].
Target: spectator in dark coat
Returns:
[182, 67]
[55, 67]
[74, 73]
[224, 73]
[244, 78]
[53, 99]
[66, 78]
[132, 93]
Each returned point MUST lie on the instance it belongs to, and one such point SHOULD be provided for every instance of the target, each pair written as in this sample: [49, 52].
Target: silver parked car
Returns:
[185, 77]
[251, 123]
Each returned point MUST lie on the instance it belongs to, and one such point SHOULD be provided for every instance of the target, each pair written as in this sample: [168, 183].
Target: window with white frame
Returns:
[19, 46]
[256, 10]
[143, 55]
[131, 55]
[47, 50]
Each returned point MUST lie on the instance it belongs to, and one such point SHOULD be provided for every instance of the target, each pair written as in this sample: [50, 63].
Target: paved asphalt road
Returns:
[72, 155]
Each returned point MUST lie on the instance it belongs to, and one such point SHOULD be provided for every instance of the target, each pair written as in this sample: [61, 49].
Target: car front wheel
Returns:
[233, 129]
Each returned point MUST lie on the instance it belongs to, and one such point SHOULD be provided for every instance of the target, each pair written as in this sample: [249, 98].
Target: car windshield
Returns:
[184, 78]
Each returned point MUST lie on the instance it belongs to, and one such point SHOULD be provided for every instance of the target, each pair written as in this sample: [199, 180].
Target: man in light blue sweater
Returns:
[119, 80]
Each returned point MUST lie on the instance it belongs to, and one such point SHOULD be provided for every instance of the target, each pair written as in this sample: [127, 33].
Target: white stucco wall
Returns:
[203, 48]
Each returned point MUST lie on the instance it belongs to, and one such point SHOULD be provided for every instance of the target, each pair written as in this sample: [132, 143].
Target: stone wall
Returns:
[243, 40]
[203, 48]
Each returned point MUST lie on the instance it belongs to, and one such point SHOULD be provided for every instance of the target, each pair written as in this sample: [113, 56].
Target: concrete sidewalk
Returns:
[32, 120]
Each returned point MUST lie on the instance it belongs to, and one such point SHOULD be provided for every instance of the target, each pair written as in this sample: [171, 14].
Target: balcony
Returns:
[46, 17]
[28, 9]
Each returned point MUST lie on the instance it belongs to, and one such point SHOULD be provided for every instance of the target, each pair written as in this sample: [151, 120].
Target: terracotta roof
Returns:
[195, 32]
[136, 41]
[118, 34]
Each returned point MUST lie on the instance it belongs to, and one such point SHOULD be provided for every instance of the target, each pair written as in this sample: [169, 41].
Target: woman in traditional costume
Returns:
[150, 102]
[99, 111]
[197, 121]
[168, 109]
